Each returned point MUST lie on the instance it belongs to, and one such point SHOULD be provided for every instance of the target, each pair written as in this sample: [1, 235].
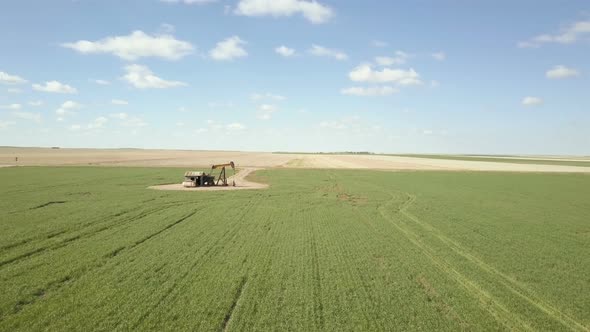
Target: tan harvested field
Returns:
[136, 157]
[413, 163]
[185, 158]
[562, 158]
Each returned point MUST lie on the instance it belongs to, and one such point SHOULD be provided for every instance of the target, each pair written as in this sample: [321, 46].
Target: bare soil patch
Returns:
[239, 178]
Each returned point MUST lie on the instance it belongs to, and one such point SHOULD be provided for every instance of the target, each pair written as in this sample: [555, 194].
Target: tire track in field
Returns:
[505, 280]
[371, 315]
[354, 277]
[83, 235]
[514, 286]
[152, 235]
[77, 274]
[363, 276]
[39, 293]
[47, 204]
[317, 282]
[172, 292]
[331, 237]
[76, 227]
[81, 227]
[447, 307]
[487, 301]
[255, 247]
[236, 301]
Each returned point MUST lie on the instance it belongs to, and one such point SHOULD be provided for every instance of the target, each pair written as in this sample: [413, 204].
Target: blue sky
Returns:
[444, 76]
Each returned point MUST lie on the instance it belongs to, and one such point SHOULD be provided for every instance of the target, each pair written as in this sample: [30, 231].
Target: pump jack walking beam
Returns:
[222, 175]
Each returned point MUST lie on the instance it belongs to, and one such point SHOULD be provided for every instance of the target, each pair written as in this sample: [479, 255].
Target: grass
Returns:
[86, 248]
[504, 159]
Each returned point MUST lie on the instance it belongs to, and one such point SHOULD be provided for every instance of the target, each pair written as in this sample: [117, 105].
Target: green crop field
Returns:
[87, 248]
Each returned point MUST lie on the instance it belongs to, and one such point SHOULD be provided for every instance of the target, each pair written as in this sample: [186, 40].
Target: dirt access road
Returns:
[203, 159]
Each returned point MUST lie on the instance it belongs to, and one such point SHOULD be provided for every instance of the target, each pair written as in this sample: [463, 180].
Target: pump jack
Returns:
[222, 175]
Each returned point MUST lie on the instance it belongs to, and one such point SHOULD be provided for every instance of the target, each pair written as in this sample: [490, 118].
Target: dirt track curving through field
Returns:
[239, 178]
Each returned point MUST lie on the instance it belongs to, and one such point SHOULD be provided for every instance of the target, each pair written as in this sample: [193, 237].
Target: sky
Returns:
[413, 76]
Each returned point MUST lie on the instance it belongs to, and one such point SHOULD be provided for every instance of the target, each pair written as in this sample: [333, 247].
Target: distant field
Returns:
[503, 159]
[191, 159]
[90, 248]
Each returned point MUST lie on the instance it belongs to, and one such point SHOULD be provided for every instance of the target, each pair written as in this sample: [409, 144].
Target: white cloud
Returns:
[190, 2]
[268, 96]
[228, 49]
[6, 78]
[126, 120]
[313, 11]
[235, 126]
[365, 73]
[567, 35]
[379, 43]
[70, 105]
[101, 82]
[327, 52]
[560, 72]
[333, 125]
[120, 116]
[385, 61]
[285, 51]
[36, 117]
[36, 103]
[136, 45]
[134, 122]
[98, 123]
[55, 87]
[201, 130]
[142, 77]
[265, 111]
[119, 102]
[14, 90]
[399, 59]
[370, 91]
[67, 109]
[213, 126]
[440, 56]
[13, 107]
[532, 101]
[431, 132]
[6, 124]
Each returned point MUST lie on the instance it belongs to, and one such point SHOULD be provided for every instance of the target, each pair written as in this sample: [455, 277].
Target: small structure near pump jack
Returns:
[193, 179]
